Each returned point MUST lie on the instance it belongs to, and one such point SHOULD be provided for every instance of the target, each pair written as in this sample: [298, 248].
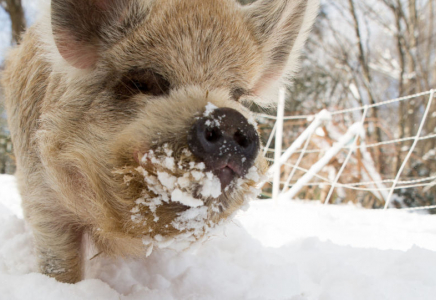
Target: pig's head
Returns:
[144, 123]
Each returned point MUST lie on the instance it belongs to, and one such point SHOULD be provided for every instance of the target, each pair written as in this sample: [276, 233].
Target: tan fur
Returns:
[76, 142]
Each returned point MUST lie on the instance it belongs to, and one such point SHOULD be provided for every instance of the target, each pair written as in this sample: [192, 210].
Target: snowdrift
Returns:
[290, 250]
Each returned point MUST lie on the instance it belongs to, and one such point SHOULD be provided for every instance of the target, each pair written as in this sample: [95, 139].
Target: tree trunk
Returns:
[367, 82]
[16, 14]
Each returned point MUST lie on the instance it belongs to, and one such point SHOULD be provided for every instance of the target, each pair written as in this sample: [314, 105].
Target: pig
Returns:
[130, 119]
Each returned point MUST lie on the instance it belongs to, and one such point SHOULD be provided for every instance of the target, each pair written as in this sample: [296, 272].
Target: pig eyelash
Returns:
[142, 82]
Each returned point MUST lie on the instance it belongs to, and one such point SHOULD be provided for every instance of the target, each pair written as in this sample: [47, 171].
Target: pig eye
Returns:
[142, 82]
[237, 93]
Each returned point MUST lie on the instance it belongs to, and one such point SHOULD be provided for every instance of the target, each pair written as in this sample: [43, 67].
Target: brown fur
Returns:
[78, 132]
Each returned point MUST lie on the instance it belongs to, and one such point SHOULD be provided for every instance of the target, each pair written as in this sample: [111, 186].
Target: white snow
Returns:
[209, 109]
[185, 198]
[290, 250]
[9, 197]
[167, 180]
[169, 163]
[253, 174]
[168, 185]
[211, 186]
[430, 154]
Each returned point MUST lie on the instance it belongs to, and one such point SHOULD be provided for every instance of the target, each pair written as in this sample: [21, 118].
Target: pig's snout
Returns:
[226, 143]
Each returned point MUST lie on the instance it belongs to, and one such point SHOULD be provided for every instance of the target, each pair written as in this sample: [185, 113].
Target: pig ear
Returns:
[281, 28]
[81, 28]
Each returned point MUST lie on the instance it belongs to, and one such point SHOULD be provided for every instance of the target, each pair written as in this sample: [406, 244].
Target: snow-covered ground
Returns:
[292, 250]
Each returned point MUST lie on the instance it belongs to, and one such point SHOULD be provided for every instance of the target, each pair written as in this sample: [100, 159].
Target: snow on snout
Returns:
[185, 198]
[209, 109]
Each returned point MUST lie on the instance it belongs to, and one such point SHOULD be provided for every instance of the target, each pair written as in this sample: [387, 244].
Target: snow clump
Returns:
[187, 182]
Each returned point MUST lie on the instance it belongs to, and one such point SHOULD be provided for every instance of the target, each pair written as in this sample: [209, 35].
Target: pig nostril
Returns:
[212, 135]
[226, 143]
[241, 139]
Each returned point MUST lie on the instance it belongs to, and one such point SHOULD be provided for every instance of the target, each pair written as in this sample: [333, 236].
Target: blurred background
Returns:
[360, 53]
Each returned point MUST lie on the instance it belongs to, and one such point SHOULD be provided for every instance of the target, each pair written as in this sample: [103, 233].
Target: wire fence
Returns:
[353, 142]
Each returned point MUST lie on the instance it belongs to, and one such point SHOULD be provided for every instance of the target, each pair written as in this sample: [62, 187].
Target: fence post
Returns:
[278, 142]
[322, 117]
[346, 138]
